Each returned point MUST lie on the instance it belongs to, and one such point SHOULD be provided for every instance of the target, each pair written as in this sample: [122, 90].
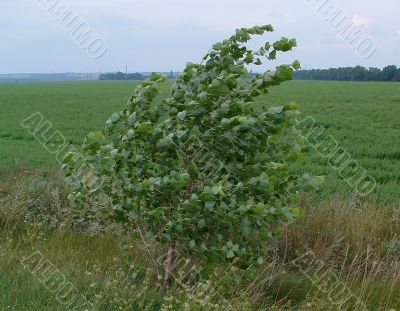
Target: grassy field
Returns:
[356, 241]
[73, 108]
[362, 117]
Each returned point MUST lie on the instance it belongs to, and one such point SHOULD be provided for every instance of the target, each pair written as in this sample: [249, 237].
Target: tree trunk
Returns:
[168, 279]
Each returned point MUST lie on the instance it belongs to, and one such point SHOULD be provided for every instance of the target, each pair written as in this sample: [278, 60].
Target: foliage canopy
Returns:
[204, 170]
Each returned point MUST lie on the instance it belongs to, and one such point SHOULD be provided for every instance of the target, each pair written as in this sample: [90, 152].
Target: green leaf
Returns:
[131, 133]
[148, 234]
[296, 65]
[115, 117]
[230, 254]
[258, 62]
[201, 223]
[296, 212]
[216, 189]
[179, 228]
[209, 205]
[218, 46]
[181, 115]
[145, 128]
[272, 55]
[267, 28]
[68, 158]
[275, 110]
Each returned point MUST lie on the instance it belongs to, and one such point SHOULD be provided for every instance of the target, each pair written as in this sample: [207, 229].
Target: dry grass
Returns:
[357, 243]
[343, 229]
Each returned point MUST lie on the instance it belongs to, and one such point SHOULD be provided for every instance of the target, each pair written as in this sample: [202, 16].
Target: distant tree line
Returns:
[121, 76]
[358, 73]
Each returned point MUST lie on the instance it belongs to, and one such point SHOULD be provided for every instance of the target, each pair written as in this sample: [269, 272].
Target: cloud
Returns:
[221, 15]
[162, 35]
[361, 20]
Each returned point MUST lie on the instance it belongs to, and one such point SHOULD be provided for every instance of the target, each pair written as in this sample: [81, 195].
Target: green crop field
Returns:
[362, 117]
[357, 240]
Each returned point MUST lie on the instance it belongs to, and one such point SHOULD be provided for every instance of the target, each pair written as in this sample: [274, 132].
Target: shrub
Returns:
[205, 171]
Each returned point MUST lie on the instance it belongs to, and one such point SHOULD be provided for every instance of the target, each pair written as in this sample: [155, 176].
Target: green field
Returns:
[357, 240]
[363, 118]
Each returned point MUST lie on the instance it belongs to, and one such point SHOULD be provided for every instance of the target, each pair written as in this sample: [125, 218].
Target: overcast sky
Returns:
[160, 35]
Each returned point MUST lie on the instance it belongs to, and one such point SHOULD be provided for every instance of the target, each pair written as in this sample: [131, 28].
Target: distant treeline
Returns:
[358, 73]
[121, 76]
[135, 76]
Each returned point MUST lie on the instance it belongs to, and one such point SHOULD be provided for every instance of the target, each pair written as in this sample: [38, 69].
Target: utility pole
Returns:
[126, 72]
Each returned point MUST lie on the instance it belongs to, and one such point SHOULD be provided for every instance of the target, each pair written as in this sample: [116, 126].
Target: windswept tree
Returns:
[206, 171]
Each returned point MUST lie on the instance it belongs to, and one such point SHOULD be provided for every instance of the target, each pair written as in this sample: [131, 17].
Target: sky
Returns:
[162, 35]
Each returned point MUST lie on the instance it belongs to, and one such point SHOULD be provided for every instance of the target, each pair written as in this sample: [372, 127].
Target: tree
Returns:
[205, 171]
[374, 74]
[359, 73]
[389, 73]
[397, 78]
[121, 76]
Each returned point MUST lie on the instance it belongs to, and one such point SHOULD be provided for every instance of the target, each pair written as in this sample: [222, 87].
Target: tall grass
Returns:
[356, 241]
